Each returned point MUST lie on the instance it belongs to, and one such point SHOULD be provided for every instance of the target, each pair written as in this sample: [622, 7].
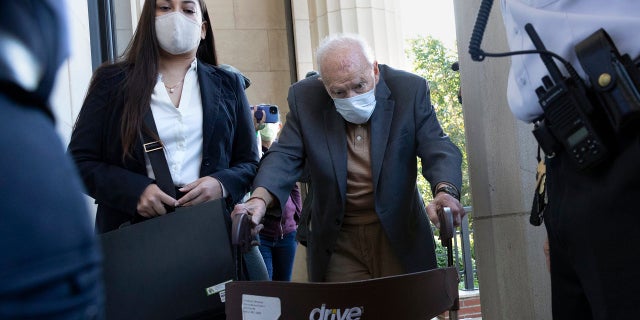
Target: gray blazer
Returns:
[403, 127]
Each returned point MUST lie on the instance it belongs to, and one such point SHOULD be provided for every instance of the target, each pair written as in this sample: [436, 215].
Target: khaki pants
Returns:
[362, 252]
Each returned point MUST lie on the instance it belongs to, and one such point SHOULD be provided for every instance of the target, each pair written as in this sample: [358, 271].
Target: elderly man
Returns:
[359, 127]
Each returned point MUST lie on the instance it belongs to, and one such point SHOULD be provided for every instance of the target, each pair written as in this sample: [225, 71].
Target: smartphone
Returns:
[272, 115]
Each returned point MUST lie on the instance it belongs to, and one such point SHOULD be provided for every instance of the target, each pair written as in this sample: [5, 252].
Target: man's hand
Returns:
[244, 232]
[152, 201]
[445, 200]
[202, 190]
[254, 207]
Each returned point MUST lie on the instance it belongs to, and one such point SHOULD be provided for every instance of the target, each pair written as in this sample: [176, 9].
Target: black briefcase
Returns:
[170, 267]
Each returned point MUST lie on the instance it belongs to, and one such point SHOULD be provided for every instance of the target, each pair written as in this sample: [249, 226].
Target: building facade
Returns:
[273, 43]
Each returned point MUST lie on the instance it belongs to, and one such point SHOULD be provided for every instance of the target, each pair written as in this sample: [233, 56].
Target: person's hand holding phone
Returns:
[258, 119]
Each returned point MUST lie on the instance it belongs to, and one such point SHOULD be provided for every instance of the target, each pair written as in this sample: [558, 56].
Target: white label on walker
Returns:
[260, 307]
[217, 288]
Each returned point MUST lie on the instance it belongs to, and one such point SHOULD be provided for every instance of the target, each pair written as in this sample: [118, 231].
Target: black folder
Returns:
[170, 267]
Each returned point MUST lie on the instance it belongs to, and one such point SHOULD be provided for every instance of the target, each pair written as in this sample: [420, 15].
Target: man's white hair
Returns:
[340, 41]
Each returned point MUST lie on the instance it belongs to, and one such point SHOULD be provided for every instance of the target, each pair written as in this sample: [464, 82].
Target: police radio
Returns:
[569, 116]
[589, 123]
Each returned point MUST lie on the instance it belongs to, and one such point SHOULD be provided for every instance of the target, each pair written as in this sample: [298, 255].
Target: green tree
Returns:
[432, 60]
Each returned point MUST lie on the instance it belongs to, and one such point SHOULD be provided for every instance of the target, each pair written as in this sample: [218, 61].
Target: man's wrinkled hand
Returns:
[254, 207]
[445, 200]
[247, 224]
[244, 233]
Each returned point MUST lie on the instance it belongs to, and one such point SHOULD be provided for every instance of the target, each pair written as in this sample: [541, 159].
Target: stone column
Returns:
[251, 36]
[75, 74]
[514, 281]
[377, 21]
[302, 37]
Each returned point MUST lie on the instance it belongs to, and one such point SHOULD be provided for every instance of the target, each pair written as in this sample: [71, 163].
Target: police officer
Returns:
[591, 216]
[49, 259]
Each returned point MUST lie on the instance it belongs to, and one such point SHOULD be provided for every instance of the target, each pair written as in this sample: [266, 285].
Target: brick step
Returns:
[469, 306]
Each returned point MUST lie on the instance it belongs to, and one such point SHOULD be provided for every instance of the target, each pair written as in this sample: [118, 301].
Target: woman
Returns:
[200, 111]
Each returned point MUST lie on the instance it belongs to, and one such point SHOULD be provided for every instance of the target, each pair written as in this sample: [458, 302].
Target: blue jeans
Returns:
[278, 255]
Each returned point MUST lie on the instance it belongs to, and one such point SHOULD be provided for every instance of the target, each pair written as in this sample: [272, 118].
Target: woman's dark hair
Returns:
[140, 63]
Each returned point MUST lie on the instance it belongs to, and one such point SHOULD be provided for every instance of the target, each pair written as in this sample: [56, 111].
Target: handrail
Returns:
[465, 232]
[465, 235]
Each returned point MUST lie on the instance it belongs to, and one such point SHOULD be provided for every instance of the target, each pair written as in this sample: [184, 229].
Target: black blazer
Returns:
[116, 183]
[404, 127]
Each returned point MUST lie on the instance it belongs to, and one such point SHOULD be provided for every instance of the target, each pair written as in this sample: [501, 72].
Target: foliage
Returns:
[432, 60]
[442, 260]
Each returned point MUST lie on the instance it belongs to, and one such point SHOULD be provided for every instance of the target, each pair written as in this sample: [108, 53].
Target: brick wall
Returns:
[469, 307]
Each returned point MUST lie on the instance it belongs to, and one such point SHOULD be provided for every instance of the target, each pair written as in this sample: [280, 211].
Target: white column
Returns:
[377, 21]
[514, 281]
[74, 75]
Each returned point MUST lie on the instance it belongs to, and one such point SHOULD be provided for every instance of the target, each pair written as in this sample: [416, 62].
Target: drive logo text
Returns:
[323, 313]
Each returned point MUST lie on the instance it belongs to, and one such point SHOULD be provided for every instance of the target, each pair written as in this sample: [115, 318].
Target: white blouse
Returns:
[180, 129]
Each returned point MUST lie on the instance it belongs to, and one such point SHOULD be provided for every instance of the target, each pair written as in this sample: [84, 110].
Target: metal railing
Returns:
[465, 232]
[462, 247]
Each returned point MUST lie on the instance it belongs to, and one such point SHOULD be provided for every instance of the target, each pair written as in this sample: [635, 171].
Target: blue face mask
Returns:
[357, 109]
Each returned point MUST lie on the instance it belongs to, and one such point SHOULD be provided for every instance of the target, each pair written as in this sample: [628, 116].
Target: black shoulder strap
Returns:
[155, 151]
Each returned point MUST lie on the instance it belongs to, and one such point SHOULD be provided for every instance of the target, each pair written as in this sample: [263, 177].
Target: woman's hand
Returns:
[258, 120]
[202, 190]
[152, 202]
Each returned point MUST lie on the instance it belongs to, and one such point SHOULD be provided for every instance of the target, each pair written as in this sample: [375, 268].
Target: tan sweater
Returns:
[359, 207]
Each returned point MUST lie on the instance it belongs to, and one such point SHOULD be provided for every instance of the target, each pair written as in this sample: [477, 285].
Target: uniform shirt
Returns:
[561, 24]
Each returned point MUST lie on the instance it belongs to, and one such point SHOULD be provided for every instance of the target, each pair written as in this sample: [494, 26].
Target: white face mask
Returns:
[177, 33]
[270, 131]
[357, 109]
